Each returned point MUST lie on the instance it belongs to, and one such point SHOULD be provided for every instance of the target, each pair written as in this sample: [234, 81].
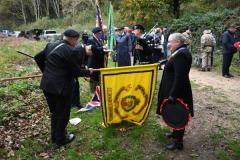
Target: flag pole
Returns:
[20, 78]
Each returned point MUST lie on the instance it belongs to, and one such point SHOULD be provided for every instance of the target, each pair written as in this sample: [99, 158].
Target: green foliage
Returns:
[44, 23]
[144, 12]
[198, 22]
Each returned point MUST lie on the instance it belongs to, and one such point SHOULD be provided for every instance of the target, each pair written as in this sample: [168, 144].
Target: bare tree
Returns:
[47, 7]
[176, 8]
[23, 12]
[92, 2]
[56, 7]
[36, 8]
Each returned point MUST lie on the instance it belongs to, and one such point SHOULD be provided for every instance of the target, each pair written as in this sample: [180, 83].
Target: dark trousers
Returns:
[212, 56]
[178, 135]
[76, 94]
[59, 107]
[227, 60]
[165, 50]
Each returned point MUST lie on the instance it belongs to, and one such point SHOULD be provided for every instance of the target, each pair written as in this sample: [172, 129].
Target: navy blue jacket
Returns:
[97, 59]
[227, 42]
[124, 47]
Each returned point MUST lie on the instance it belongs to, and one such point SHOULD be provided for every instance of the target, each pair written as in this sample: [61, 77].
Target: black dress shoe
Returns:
[68, 139]
[169, 135]
[175, 145]
[226, 76]
[202, 69]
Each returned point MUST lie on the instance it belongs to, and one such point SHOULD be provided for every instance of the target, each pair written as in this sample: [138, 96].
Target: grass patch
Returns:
[235, 65]
[231, 151]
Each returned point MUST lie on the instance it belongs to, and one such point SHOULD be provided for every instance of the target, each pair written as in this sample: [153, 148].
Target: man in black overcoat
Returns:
[175, 82]
[228, 50]
[96, 61]
[60, 63]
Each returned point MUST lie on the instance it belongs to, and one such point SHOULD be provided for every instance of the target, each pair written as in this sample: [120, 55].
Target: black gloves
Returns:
[171, 100]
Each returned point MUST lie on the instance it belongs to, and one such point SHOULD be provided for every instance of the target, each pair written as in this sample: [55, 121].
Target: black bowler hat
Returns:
[177, 115]
[138, 26]
[96, 30]
[71, 33]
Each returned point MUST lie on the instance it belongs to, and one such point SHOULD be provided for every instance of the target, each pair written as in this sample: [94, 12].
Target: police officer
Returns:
[207, 44]
[60, 64]
[97, 60]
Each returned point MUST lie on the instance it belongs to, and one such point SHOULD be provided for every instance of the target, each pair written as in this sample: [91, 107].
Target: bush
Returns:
[211, 20]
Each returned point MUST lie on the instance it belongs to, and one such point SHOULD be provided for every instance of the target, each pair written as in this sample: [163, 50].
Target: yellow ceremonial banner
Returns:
[127, 93]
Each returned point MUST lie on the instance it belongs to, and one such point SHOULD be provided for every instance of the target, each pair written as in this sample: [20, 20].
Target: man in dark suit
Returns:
[60, 63]
[96, 61]
[175, 82]
[228, 50]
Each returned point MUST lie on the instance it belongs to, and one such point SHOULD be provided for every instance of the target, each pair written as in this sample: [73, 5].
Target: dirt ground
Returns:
[217, 110]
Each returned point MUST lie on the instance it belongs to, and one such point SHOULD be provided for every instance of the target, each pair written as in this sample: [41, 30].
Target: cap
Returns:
[119, 29]
[96, 30]
[71, 33]
[207, 31]
[138, 26]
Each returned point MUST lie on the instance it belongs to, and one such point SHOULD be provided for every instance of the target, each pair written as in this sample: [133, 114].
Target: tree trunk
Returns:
[23, 12]
[176, 8]
[56, 7]
[36, 8]
[47, 8]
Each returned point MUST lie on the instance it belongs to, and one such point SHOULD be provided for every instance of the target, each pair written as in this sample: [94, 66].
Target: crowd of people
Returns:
[64, 61]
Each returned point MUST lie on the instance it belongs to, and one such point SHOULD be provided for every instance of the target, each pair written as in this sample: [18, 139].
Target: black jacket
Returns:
[97, 59]
[144, 55]
[227, 42]
[61, 67]
[175, 79]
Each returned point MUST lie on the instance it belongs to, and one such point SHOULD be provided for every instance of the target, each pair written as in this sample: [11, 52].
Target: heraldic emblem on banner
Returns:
[127, 93]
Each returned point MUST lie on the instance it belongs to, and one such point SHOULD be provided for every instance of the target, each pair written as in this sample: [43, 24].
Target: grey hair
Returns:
[177, 37]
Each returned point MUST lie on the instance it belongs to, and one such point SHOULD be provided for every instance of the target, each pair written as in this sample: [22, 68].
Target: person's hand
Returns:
[171, 100]
[87, 79]
[138, 47]
[91, 70]
[105, 47]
